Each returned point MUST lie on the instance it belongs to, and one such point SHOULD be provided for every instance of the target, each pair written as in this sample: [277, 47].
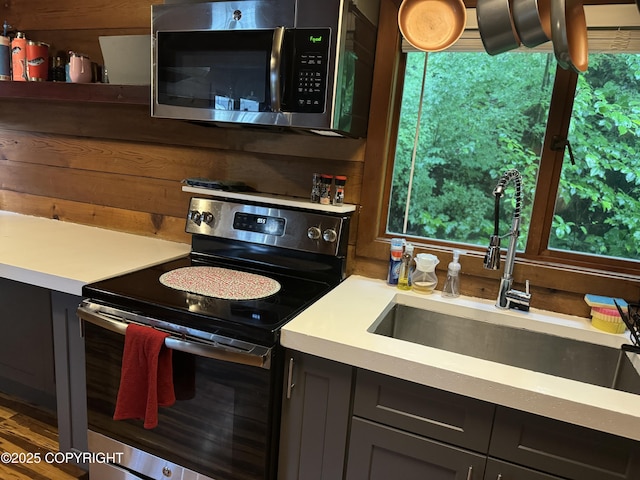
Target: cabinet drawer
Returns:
[426, 411]
[563, 449]
[498, 470]
[379, 452]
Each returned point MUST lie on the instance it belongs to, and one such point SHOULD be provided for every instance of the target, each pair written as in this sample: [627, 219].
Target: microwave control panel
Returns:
[311, 58]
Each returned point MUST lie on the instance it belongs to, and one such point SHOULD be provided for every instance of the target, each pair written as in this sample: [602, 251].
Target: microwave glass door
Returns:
[220, 70]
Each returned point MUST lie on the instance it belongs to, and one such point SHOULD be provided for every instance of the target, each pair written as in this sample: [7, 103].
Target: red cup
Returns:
[19, 58]
[37, 61]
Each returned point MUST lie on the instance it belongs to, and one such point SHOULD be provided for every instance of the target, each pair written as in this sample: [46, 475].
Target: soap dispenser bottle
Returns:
[424, 278]
[452, 284]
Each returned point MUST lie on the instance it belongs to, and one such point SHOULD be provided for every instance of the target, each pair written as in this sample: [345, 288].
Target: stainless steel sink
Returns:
[559, 356]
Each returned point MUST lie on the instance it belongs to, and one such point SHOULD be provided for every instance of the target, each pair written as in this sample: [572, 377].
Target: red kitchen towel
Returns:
[146, 380]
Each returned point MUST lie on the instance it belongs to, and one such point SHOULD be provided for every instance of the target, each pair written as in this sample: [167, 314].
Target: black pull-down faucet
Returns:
[507, 296]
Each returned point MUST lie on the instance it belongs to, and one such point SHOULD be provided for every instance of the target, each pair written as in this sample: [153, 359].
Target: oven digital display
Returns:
[259, 223]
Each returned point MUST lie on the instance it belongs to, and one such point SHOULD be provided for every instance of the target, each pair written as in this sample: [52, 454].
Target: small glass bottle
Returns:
[325, 189]
[404, 277]
[338, 195]
[316, 186]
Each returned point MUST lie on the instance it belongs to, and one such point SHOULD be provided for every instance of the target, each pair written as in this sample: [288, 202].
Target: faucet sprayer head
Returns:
[492, 257]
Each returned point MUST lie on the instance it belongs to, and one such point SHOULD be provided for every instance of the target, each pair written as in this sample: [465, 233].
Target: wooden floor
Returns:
[26, 434]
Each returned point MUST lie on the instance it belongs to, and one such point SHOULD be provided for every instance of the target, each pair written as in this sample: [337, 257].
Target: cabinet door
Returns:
[462, 421]
[379, 452]
[563, 449]
[26, 343]
[71, 392]
[497, 470]
[315, 418]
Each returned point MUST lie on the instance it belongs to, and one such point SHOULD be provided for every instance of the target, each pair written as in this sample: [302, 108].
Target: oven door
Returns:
[222, 426]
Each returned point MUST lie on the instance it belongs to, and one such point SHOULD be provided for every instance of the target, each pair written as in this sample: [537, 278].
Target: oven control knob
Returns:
[329, 235]
[314, 233]
[207, 217]
[195, 216]
[166, 471]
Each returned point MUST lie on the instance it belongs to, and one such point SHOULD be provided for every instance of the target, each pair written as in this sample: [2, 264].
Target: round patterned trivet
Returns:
[220, 283]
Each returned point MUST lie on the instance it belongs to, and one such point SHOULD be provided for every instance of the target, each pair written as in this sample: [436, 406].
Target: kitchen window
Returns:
[466, 117]
[460, 113]
[558, 253]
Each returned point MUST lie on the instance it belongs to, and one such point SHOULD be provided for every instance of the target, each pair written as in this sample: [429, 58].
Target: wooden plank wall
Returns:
[115, 167]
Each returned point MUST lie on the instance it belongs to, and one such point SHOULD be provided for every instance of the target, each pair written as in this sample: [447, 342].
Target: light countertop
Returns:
[335, 327]
[64, 256]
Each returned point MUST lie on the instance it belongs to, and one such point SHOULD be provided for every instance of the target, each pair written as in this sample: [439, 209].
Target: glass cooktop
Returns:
[256, 320]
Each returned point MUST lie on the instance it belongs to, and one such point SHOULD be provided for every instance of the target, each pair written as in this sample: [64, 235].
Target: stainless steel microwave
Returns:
[291, 64]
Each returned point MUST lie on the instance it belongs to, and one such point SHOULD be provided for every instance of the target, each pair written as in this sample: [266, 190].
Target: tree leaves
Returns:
[482, 115]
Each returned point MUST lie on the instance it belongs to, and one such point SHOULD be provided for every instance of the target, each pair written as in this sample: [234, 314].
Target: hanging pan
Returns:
[569, 34]
[532, 19]
[432, 25]
[496, 27]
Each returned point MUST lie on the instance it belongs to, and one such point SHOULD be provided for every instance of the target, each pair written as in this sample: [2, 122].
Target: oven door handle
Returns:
[256, 356]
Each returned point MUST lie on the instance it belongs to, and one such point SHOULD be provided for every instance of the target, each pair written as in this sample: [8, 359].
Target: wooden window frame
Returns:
[558, 279]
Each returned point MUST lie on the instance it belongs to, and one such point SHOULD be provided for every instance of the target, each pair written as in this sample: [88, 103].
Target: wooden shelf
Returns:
[77, 92]
[272, 199]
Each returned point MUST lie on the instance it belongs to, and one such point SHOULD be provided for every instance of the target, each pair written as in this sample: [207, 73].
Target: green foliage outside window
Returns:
[483, 115]
[598, 207]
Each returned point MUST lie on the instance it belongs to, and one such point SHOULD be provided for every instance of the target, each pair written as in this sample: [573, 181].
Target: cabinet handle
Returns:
[470, 473]
[290, 383]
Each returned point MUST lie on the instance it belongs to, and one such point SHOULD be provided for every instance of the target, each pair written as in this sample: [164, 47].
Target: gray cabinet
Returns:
[315, 413]
[445, 416]
[70, 372]
[42, 356]
[566, 450]
[542, 447]
[379, 452]
[390, 428]
[26, 343]
[405, 430]
[499, 470]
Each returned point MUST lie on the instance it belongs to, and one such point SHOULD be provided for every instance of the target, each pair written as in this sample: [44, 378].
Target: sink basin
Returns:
[541, 352]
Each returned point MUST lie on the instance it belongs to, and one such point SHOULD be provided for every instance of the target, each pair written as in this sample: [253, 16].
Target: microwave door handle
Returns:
[258, 356]
[274, 69]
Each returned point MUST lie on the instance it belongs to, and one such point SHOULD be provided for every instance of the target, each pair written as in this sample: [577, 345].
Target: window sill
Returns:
[555, 286]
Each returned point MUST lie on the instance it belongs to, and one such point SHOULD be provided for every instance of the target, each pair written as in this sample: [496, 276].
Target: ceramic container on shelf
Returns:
[79, 68]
